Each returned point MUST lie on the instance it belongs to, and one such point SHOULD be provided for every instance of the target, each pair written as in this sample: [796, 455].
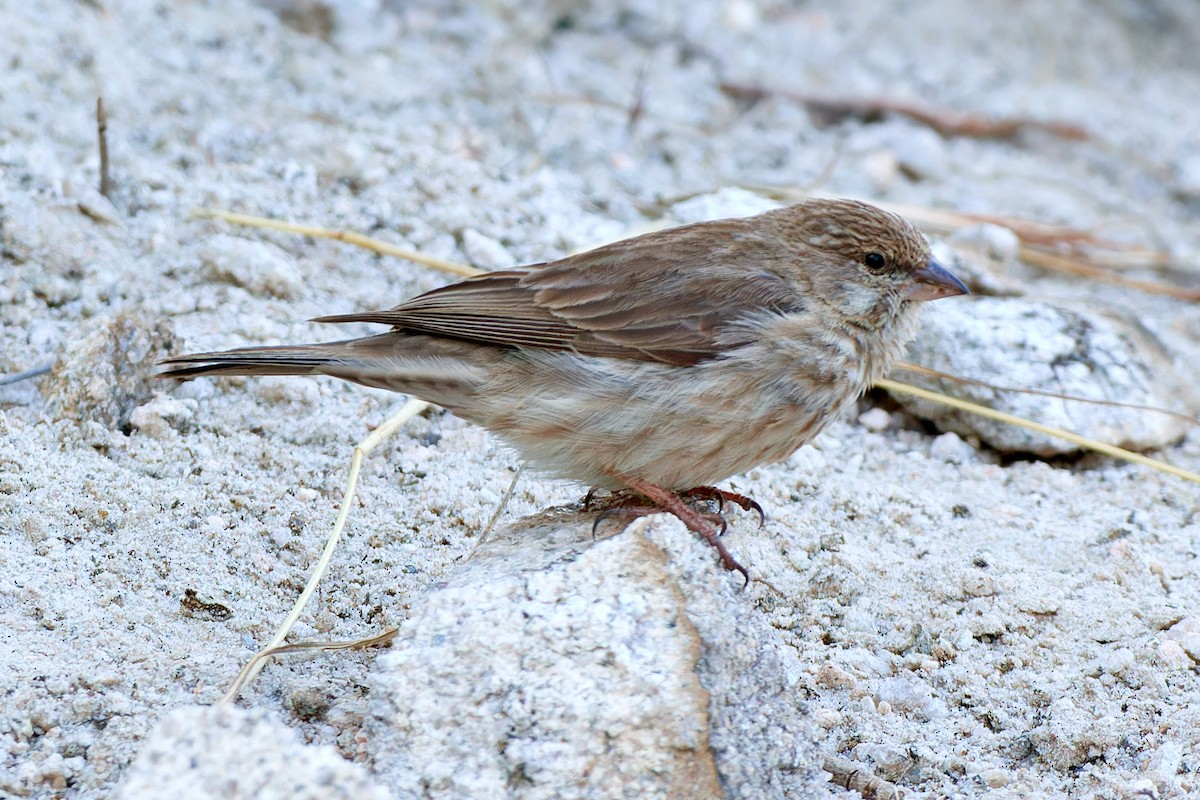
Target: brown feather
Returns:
[672, 296]
[677, 358]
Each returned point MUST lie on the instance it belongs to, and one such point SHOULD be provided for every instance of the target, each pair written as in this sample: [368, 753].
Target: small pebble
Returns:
[835, 677]
[994, 778]
[162, 414]
[258, 267]
[484, 251]
[875, 420]
[977, 585]
[951, 448]
[994, 241]
[1172, 655]
[827, 718]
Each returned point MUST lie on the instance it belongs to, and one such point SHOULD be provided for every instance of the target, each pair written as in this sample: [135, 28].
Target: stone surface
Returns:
[228, 753]
[416, 122]
[106, 368]
[548, 668]
[258, 267]
[1049, 349]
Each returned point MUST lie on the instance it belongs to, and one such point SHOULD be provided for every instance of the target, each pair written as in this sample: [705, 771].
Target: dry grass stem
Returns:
[361, 450]
[255, 664]
[849, 775]
[102, 136]
[1021, 422]
[358, 240]
[908, 366]
[945, 121]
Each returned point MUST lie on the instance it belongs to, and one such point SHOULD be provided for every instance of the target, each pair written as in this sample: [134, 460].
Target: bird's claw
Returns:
[721, 496]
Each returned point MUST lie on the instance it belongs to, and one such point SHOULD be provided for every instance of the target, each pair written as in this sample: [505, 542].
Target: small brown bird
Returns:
[663, 363]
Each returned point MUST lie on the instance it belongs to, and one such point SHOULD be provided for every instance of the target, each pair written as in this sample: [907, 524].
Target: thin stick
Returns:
[487, 530]
[1021, 422]
[848, 775]
[361, 450]
[908, 366]
[102, 134]
[1082, 268]
[944, 121]
[258, 661]
[15, 377]
[357, 239]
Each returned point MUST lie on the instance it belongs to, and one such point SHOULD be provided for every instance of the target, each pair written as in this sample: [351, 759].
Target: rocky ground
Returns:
[956, 607]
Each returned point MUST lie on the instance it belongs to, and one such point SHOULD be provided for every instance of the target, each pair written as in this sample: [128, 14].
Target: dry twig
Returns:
[102, 135]
[848, 775]
[908, 366]
[944, 121]
[1041, 246]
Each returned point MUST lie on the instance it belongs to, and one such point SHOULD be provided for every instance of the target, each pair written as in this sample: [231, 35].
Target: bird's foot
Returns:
[721, 496]
[708, 525]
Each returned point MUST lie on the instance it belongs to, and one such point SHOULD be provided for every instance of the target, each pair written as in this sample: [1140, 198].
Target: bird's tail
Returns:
[329, 358]
[440, 370]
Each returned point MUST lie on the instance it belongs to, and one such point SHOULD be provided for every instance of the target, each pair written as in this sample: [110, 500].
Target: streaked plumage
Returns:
[676, 359]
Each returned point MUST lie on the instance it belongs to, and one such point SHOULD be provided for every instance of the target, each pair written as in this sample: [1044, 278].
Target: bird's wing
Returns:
[672, 296]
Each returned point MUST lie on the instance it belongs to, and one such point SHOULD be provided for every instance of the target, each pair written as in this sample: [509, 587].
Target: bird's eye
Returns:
[874, 261]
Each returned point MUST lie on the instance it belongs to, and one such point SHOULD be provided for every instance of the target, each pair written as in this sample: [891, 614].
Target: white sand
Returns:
[962, 626]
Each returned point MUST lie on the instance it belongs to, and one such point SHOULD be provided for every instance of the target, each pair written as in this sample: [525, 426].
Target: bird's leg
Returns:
[625, 503]
[587, 502]
[629, 512]
[666, 500]
[612, 499]
[630, 505]
[722, 497]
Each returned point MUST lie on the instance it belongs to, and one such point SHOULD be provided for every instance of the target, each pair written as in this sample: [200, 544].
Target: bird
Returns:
[659, 365]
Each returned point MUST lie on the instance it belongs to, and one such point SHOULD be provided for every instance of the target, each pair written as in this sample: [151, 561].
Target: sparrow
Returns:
[661, 364]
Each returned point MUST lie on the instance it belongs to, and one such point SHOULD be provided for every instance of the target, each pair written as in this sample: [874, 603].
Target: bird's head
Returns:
[868, 264]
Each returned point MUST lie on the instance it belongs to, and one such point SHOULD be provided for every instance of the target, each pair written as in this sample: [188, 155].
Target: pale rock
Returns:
[1172, 655]
[834, 677]
[97, 206]
[875, 420]
[909, 694]
[260, 268]
[1034, 597]
[1010, 342]
[1166, 761]
[551, 667]
[995, 242]
[827, 718]
[1071, 736]
[881, 168]
[950, 448]
[1187, 176]
[994, 778]
[227, 753]
[921, 153]
[1187, 633]
[485, 252]
[890, 762]
[723, 203]
[162, 414]
[975, 584]
[106, 368]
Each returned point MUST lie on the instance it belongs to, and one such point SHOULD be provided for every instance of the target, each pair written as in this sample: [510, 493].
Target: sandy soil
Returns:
[964, 623]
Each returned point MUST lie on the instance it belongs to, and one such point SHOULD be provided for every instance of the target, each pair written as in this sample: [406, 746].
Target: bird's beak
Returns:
[932, 282]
